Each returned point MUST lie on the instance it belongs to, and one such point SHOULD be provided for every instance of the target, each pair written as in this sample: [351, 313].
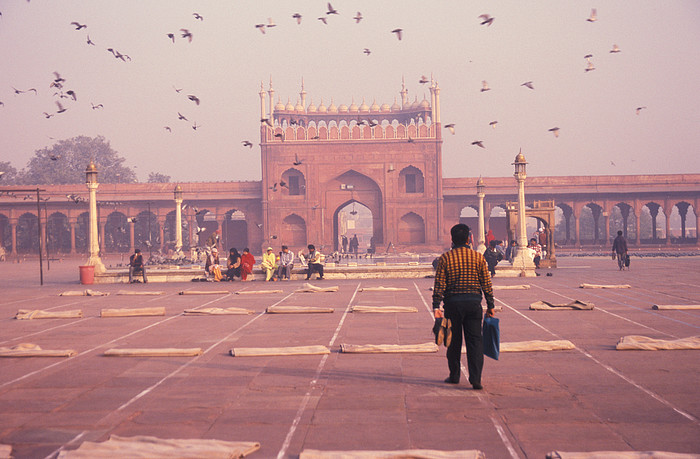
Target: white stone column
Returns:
[178, 219]
[522, 259]
[480, 237]
[93, 241]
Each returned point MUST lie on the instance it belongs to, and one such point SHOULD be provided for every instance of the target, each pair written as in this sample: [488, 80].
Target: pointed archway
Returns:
[353, 220]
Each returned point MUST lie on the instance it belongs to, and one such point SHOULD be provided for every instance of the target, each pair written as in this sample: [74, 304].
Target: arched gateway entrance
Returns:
[357, 200]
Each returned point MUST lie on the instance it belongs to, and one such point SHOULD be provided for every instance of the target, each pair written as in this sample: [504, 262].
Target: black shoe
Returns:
[477, 386]
[451, 380]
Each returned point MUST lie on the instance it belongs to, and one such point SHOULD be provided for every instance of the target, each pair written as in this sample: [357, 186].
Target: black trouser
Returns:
[315, 268]
[141, 270]
[465, 314]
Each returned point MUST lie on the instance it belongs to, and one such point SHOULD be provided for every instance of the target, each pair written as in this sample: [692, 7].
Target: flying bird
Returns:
[260, 27]
[270, 23]
[247, 143]
[528, 84]
[280, 136]
[410, 139]
[131, 220]
[171, 36]
[60, 107]
[90, 42]
[639, 109]
[615, 49]
[423, 79]
[297, 16]
[78, 26]
[323, 19]
[177, 90]
[54, 157]
[371, 123]
[331, 10]
[590, 66]
[198, 16]
[493, 124]
[273, 187]
[358, 17]
[72, 93]
[367, 51]
[193, 98]
[479, 143]
[555, 131]
[485, 86]
[266, 121]
[167, 128]
[95, 107]
[48, 115]
[398, 32]
[186, 34]
[297, 161]
[195, 126]
[19, 91]
[486, 19]
[594, 16]
[451, 127]
[180, 116]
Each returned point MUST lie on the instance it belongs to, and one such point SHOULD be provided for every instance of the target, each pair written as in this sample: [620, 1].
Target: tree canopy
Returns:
[66, 160]
[157, 177]
[8, 174]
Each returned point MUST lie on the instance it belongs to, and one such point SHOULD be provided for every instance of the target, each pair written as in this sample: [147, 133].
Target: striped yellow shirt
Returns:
[462, 271]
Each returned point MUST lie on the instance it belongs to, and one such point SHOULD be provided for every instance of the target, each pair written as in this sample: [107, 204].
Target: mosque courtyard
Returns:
[589, 398]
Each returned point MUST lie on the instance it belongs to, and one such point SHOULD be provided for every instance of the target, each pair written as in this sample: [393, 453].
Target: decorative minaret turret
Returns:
[432, 99]
[302, 94]
[271, 92]
[437, 103]
[262, 101]
[404, 93]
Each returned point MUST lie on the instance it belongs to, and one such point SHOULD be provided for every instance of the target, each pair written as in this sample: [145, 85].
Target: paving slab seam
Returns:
[27, 299]
[598, 308]
[80, 354]
[656, 397]
[143, 393]
[312, 385]
[483, 399]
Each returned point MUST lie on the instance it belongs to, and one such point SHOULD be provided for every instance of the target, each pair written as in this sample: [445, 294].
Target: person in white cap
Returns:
[269, 264]
[213, 266]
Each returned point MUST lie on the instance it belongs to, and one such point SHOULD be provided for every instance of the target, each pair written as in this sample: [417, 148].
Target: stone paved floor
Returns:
[587, 399]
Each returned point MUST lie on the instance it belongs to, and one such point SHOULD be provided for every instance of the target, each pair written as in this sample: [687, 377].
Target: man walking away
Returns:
[460, 279]
[619, 249]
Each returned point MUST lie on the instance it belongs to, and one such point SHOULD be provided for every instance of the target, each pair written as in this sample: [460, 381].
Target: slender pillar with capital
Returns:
[93, 244]
[178, 218]
[480, 238]
[522, 259]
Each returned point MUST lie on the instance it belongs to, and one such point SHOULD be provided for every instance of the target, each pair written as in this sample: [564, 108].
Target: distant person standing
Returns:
[460, 278]
[344, 243]
[619, 249]
[354, 244]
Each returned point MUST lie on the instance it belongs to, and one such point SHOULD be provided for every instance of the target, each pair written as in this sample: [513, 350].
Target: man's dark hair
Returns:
[460, 234]
[284, 247]
[619, 233]
[311, 247]
[137, 251]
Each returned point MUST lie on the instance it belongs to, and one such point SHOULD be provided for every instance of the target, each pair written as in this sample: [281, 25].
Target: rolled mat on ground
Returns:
[142, 447]
[257, 292]
[87, 292]
[620, 455]
[34, 350]
[388, 348]
[136, 292]
[383, 289]
[400, 454]
[385, 309]
[29, 314]
[604, 286]
[537, 345]
[676, 306]
[512, 287]
[308, 288]
[204, 292]
[157, 311]
[269, 351]
[644, 343]
[154, 352]
[575, 305]
[217, 311]
[298, 310]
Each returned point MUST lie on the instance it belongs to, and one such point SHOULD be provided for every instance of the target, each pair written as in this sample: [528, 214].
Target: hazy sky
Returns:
[540, 41]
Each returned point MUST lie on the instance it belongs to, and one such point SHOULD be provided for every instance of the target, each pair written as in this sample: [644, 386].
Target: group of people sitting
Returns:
[275, 266]
[495, 251]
